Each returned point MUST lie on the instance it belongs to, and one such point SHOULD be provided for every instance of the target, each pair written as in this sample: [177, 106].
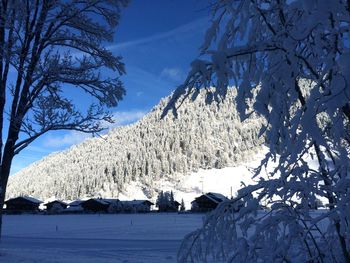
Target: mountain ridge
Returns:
[203, 136]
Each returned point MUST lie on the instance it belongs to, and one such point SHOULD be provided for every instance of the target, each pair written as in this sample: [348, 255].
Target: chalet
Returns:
[207, 202]
[22, 204]
[136, 206]
[169, 207]
[114, 205]
[75, 203]
[95, 205]
[74, 207]
[55, 206]
[108, 205]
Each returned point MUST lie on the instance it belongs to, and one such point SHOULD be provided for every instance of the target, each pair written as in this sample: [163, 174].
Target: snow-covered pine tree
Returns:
[166, 202]
[182, 207]
[161, 201]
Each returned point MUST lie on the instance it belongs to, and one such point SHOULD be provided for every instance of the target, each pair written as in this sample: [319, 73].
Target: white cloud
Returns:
[139, 93]
[127, 117]
[70, 138]
[74, 137]
[36, 149]
[174, 74]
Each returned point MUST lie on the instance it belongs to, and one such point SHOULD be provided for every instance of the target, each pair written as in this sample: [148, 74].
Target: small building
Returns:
[55, 206]
[136, 206]
[22, 204]
[171, 206]
[95, 205]
[114, 205]
[75, 203]
[207, 202]
[108, 205]
[74, 207]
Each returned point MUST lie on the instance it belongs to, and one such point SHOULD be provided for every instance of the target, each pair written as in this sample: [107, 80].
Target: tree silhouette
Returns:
[46, 49]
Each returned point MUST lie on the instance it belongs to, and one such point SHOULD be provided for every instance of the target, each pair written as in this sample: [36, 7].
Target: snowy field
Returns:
[225, 181]
[127, 238]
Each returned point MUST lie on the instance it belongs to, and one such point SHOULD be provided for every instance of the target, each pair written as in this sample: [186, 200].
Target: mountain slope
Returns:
[202, 136]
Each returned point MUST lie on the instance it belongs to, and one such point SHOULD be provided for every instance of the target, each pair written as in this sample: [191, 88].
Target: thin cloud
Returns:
[74, 137]
[70, 138]
[174, 74]
[148, 85]
[122, 118]
[37, 149]
[199, 23]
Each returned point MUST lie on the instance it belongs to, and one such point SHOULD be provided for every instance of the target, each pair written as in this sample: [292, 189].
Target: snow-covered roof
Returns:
[217, 196]
[56, 201]
[104, 201]
[75, 203]
[32, 199]
[110, 200]
[136, 202]
[28, 198]
[99, 200]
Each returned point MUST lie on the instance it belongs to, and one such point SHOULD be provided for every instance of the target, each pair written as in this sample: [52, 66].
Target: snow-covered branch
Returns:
[292, 59]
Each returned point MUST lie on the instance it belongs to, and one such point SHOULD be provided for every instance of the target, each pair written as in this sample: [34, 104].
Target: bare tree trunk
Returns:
[5, 169]
[2, 200]
[3, 187]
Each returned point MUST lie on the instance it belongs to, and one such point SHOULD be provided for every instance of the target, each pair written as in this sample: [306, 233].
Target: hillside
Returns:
[145, 153]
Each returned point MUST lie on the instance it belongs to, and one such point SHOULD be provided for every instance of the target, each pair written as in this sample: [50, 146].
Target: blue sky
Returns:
[157, 39]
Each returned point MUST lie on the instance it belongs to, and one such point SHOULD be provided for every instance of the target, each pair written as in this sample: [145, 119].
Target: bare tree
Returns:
[48, 47]
[292, 59]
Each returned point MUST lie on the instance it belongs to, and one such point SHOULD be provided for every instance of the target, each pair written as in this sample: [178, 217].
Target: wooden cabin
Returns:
[22, 204]
[75, 203]
[55, 206]
[169, 207]
[114, 205]
[74, 207]
[207, 202]
[95, 205]
[136, 206]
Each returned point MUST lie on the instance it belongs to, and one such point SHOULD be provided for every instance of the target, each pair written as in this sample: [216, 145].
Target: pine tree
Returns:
[171, 203]
[182, 207]
[160, 201]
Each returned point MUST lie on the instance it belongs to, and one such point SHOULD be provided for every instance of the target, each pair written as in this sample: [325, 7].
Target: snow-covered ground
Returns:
[123, 238]
[226, 181]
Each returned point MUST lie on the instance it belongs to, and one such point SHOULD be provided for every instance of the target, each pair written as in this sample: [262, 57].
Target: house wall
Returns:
[55, 207]
[19, 205]
[203, 204]
[94, 206]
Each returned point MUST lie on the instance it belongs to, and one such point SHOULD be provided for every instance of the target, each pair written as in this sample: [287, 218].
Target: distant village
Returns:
[165, 203]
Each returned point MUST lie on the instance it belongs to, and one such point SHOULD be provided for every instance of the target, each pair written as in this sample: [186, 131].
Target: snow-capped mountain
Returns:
[140, 159]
